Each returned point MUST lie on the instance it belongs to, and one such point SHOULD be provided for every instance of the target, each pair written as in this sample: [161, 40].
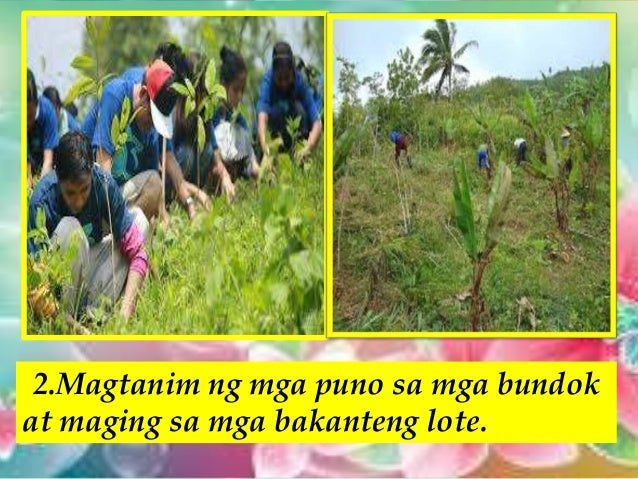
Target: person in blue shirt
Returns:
[319, 95]
[42, 131]
[315, 80]
[172, 54]
[66, 121]
[135, 165]
[77, 199]
[482, 158]
[228, 154]
[401, 143]
[284, 95]
[232, 144]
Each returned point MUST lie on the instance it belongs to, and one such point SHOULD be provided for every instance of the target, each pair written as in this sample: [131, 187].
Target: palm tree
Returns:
[438, 54]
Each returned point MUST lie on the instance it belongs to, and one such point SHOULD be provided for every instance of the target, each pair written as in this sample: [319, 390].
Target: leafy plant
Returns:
[479, 251]
[49, 274]
[92, 76]
[201, 98]
[557, 174]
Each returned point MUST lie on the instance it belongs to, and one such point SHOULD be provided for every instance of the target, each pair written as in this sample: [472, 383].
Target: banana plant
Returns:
[591, 130]
[560, 178]
[531, 118]
[479, 245]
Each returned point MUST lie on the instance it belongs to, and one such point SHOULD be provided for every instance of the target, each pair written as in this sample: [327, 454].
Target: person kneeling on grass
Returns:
[78, 198]
[401, 143]
[233, 148]
[284, 95]
[135, 165]
[228, 153]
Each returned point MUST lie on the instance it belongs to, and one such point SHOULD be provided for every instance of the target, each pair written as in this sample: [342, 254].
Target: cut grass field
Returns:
[385, 280]
[254, 267]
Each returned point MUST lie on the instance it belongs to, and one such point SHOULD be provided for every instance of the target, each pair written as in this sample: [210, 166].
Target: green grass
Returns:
[254, 267]
[385, 280]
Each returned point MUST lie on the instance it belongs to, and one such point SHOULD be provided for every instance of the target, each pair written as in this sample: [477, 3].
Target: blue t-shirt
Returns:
[318, 94]
[73, 123]
[395, 136]
[269, 95]
[141, 152]
[48, 196]
[44, 134]
[133, 74]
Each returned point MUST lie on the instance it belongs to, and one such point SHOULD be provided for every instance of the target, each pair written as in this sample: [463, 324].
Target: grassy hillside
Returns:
[391, 278]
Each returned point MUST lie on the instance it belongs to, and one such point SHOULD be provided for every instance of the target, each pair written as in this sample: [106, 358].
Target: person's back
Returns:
[483, 157]
[133, 74]
[141, 150]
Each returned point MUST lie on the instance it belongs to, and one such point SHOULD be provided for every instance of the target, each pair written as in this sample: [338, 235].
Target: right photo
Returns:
[474, 175]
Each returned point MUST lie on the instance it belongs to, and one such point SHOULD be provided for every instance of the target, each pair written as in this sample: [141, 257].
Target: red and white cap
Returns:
[159, 80]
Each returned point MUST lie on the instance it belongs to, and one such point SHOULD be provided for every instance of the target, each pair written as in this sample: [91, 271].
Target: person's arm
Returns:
[183, 189]
[130, 240]
[132, 248]
[263, 107]
[315, 134]
[103, 159]
[313, 114]
[219, 170]
[129, 300]
[47, 162]
[262, 124]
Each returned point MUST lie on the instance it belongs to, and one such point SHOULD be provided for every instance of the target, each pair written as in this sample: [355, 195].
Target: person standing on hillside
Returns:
[401, 143]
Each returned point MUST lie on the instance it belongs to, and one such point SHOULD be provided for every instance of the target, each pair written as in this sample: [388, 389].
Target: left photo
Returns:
[173, 175]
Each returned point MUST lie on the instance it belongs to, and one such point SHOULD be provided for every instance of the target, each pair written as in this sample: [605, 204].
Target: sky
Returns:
[59, 39]
[511, 48]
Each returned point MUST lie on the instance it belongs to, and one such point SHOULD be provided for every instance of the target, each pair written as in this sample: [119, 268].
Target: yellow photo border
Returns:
[611, 17]
[23, 181]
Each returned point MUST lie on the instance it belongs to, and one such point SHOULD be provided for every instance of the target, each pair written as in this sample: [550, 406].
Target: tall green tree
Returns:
[403, 76]
[350, 111]
[439, 54]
